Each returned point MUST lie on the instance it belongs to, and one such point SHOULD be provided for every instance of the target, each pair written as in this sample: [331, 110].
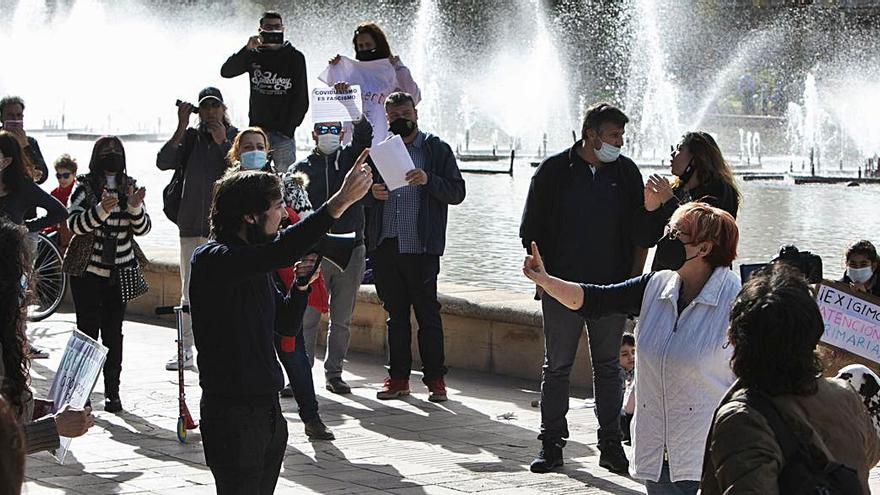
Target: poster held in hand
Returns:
[329, 105]
[852, 319]
[75, 379]
[393, 161]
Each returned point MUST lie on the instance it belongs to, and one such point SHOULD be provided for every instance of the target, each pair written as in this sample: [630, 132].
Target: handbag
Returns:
[173, 192]
[132, 283]
[79, 252]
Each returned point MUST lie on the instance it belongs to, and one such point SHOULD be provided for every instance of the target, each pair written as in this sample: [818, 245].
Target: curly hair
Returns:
[775, 326]
[14, 267]
[21, 169]
[66, 162]
[241, 193]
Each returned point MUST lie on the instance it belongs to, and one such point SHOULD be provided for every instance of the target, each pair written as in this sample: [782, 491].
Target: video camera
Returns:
[808, 263]
[335, 248]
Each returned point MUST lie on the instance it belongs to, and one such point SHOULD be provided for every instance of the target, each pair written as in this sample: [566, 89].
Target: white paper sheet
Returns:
[393, 161]
[328, 105]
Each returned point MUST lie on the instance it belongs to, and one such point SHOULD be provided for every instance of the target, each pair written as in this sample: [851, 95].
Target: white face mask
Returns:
[253, 160]
[607, 153]
[860, 275]
[328, 143]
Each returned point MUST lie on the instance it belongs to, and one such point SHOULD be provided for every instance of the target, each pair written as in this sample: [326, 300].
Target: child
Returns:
[627, 369]
[65, 172]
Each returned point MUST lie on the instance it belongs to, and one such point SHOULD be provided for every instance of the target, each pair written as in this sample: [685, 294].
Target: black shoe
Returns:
[317, 430]
[613, 458]
[287, 391]
[549, 458]
[113, 404]
[338, 386]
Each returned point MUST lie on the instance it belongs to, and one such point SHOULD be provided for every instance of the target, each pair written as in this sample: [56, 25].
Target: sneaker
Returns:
[113, 404]
[550, 456]
[437, 389]
[393, 389]
[338, 386]
[287, 391]
[613, 458]
[171, 365]
[37, 353]
[317, 430]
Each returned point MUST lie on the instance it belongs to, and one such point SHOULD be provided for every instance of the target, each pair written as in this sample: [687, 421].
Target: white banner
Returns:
[376, 79]
[393, 161]
[75, 379]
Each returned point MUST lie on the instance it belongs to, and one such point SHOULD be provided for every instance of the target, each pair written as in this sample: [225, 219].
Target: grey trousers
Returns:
[343, 287]
[187, 246]
[562, 330]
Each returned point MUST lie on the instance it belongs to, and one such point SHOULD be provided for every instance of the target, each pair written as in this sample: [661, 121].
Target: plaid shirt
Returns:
[400, 217]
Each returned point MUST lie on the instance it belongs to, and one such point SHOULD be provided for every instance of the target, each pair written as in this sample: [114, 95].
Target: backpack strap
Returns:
[784, 436]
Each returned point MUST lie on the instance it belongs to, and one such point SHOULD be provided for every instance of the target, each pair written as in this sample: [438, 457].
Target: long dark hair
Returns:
[775, 326]
[709, 163]
[14, 264]
[96, 177]
[373, 29]
[20, 170]
[12, 452]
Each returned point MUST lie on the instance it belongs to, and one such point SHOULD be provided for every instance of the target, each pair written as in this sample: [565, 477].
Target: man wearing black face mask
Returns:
[406, 237]
[279, 86]
[579, 209]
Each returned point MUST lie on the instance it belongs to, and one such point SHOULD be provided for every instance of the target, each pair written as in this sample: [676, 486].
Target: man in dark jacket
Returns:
[236, 309]
[580, 209]
[279, 87]
[12, 110]
[325, 169]
[200, 153]
[406, 236]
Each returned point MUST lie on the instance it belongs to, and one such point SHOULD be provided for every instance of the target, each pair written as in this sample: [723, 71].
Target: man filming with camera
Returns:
[235, 311]
[198, 157]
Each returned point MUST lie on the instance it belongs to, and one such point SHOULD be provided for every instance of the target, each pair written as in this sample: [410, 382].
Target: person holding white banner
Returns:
[376, 71]
[406, 235]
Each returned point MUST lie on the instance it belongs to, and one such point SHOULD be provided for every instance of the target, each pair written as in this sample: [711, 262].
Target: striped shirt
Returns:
[118, 224]
[400, 216]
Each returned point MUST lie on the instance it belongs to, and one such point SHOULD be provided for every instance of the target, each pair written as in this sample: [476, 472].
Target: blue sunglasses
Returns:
[325, 129]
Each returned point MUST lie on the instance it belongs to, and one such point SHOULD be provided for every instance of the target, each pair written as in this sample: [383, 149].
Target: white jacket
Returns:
[682, 372]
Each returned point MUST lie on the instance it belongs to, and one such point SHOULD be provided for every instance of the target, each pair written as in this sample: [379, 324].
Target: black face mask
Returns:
[112, 163]
[402, 127]
[688, 173]
[368, 55]
[670, 254]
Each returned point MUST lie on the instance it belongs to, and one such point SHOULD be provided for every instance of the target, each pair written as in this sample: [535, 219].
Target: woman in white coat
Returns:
[682, 365]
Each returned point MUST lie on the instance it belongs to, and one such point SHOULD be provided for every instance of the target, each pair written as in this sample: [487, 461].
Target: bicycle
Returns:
[49, 282]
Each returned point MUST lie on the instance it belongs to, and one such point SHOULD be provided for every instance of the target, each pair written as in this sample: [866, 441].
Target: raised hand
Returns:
[108, 201]
[355, 185]
[136, 196]
[658, 190]
[335, 60]
[533, 266]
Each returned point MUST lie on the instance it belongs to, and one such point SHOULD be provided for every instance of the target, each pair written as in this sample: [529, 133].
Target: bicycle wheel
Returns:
[49, 281]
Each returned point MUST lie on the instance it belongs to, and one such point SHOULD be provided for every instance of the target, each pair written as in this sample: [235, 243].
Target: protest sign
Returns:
[329, 105]
[393, 161]
[852, 319]
[376, 79]
[77, 374]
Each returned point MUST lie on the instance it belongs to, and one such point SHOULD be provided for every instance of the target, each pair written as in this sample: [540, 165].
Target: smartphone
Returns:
[11, 125]
[272, 37]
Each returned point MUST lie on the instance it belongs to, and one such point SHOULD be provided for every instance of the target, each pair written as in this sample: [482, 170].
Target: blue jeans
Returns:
[299, 371]
[666, 487]
[283, 150]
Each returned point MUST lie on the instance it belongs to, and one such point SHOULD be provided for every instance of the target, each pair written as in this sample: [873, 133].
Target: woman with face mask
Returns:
[682, 365]
[862, 265]
[700, 174]
[376, 71]
[107, 207]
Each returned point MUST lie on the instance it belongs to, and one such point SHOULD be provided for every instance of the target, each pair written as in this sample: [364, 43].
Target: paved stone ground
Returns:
[480, 441]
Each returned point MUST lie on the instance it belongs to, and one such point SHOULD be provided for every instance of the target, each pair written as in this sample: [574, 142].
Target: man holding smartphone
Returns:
[12, 118]
[279, 89]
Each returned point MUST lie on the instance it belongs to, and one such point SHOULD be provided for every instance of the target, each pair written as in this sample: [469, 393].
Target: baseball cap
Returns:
[210, 92]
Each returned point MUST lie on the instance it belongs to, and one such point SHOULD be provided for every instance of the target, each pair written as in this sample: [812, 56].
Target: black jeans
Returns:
[99, 312]
[404, 281]
[299, 371]
[562, 330]
[244, 444]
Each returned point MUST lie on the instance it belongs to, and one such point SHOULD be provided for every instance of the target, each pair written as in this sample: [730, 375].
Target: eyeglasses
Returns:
[325, 129]
[64, 175]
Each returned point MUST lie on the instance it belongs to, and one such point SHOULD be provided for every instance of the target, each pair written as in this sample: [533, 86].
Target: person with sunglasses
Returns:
[681, 368]
[198, 157]
[65, 173]
[700, 174]
[325, 168]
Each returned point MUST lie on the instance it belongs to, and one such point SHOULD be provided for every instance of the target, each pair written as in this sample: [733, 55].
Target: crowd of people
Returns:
[719, 359]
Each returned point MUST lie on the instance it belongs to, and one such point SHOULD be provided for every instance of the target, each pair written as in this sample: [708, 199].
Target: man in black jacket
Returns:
[279, 87]
[406, 237]
[236, 309]
[580, 211]
[325, 169]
